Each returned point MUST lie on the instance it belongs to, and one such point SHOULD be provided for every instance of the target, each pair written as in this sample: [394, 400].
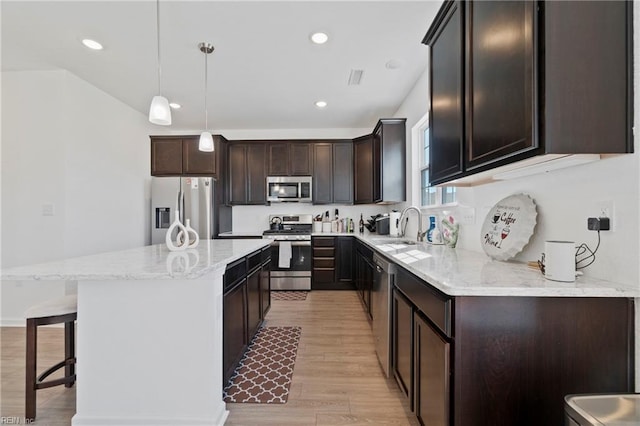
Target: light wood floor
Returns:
[337, 379]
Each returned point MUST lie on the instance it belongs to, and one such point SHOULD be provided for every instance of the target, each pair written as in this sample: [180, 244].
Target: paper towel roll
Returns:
[394, 224]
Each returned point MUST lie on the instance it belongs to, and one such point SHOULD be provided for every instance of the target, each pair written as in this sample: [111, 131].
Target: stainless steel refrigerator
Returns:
[193, 197]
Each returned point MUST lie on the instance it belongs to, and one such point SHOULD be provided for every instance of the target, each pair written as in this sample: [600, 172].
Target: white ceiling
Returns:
[264, 73]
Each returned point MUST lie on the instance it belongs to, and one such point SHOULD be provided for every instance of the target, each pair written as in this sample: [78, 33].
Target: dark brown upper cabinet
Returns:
[333, 173]
[278, 159]
[343, 172]
[588, 76]
[500, 86]
[511, 80]
[379, 163]
[363, 169]
[247, 174]
[179, 156]
[323, 173]
[289, 158]
[389, 160]
[446, 120]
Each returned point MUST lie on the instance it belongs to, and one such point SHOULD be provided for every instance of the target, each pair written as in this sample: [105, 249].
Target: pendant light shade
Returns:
[159, 111]
[206, 142]
[206, 139]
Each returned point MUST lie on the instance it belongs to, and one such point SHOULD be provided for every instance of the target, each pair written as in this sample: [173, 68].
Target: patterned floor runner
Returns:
[265, 371]
[289, 295]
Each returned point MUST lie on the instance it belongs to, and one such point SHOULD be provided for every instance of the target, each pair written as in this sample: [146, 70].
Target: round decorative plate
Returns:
[508, 226]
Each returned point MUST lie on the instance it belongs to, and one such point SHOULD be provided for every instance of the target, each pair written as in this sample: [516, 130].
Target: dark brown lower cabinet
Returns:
[364, 273]
[265, 284]
[344, 259]
[506, 360]
[254, 309]
[402, 343]
[234, 330]
[245, 302]
[431, 373]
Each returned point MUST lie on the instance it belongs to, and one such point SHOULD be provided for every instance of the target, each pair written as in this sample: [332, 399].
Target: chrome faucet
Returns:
[421, 234]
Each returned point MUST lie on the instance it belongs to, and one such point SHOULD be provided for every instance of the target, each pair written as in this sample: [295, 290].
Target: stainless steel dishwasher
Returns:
[381, 309]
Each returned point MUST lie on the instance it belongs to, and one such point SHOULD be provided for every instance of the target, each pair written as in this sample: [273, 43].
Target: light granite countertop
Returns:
[458, 272]
[154, 262]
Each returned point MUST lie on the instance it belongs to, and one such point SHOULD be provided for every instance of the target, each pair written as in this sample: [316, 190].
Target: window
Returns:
[429, 195]
[427, 192]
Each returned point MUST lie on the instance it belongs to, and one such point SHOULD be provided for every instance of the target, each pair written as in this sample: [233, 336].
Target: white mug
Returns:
[560, 261]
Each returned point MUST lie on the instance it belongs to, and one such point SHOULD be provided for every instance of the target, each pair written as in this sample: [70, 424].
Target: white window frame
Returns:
[417, 139]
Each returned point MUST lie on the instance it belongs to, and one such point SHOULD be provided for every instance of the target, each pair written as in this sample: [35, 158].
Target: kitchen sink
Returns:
[391, 240]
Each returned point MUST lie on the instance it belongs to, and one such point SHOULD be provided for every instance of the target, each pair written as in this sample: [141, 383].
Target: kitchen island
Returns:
[149, 340]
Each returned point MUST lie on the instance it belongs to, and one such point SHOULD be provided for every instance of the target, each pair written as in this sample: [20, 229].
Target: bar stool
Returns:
[56, 311]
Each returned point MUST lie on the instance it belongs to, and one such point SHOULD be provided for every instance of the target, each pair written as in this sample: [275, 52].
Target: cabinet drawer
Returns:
[433, 304]
[266, 254]
[323, 241]
[254, 260]
[234, 273]
[323, 252]
[324, 262]
[323, 275]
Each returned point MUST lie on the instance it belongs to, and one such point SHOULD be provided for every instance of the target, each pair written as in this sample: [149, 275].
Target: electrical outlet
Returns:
[604, 208]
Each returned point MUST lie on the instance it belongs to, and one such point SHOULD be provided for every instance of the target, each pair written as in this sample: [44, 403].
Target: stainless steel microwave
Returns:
[289, 189]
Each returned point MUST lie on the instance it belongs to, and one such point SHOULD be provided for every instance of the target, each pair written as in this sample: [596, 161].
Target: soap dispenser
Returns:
[432, 228]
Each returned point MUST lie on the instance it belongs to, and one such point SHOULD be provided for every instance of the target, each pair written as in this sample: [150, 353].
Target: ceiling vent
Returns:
[355, 77]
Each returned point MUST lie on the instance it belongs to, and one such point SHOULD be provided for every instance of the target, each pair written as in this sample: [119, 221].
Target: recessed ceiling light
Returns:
[175, 105]
[319, 38]
[321, 104]
[92, 44]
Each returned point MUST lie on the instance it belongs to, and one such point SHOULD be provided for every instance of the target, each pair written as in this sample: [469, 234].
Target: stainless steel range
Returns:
[290, 237]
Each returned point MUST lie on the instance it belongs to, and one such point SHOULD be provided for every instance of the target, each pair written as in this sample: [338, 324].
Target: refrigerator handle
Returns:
[181, 198]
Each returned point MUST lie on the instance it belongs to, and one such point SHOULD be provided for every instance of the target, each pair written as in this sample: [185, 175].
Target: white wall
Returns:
[70, 145]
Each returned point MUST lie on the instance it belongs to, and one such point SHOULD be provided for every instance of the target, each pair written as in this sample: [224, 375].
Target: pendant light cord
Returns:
[158, 33]
[206, 114]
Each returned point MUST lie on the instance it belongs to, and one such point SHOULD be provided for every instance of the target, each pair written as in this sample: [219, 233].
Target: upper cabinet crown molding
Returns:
[511, 80]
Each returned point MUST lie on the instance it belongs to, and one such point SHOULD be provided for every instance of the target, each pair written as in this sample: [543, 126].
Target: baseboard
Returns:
[12, 322]
[21, 322]
[79, 420]
[332, 286]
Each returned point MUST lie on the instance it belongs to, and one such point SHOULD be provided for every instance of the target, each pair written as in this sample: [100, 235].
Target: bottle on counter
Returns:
[432, 227]
[361, 227]
[351, 226]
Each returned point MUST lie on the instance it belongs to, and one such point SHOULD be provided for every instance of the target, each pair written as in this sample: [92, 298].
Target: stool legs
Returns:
[30, 385]
[69, 352]
[33, 382]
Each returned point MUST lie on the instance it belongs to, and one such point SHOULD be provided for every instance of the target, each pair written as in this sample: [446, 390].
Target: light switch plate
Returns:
[48, 209]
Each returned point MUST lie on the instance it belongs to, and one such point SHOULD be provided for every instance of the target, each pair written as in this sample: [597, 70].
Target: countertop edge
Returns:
[536, 287]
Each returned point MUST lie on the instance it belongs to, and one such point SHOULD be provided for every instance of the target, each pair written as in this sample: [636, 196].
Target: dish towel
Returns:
[284, 255]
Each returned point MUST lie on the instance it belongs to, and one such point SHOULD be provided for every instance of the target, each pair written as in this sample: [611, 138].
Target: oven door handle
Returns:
[294, 243]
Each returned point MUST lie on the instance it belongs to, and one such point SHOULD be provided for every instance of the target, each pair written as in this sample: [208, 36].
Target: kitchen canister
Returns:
[560, 261]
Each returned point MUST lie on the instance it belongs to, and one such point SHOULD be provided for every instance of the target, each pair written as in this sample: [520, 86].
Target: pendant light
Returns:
[159, 111]
[206, 139]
